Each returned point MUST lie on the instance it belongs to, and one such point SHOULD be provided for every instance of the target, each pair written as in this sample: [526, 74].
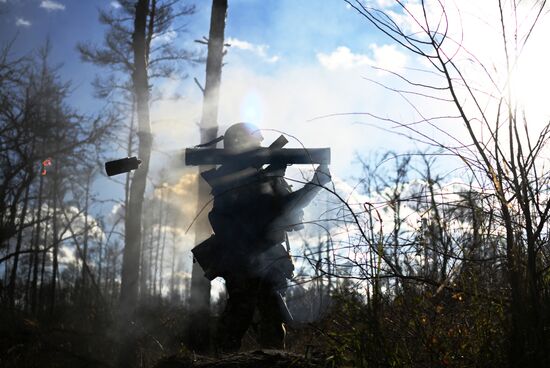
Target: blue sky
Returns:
[293, 30]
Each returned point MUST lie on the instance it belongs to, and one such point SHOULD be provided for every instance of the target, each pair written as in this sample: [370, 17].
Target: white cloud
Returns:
[166, 37]
[116, 4]
[384, 56]
[385, 3]
[67, 255]
[259, 50]
[78, 221]
[20, 22]
[388, 57]
[343, 58]
[474, 40]
[51, 5]
[116, 214]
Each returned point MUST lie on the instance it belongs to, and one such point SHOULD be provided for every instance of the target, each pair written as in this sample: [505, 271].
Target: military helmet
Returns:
[242, 136]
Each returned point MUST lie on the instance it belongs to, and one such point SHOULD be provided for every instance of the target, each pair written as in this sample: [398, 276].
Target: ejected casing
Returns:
[286, 156]
[121, 166]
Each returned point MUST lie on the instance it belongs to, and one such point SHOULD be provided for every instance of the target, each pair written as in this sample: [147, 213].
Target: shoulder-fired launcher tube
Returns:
[283, 156]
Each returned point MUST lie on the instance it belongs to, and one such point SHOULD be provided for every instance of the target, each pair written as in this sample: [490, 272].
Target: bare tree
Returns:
[508, 154]
[38, 127]
[129, 50]
[200, 285]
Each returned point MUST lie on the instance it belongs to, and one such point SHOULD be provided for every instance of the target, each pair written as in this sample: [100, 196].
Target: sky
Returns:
[296, 67]
[289, 62]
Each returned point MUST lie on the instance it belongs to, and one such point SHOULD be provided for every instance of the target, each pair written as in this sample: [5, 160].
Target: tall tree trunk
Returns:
[144, 267]
[130, 261]
[173, 269]
[114, 272]
[55, 234]
[43, 269]
[157, 251]
[99, 262]
[149, 265]
[85, 245]
[29, 271]
[200, 285]
[161, 268]
[517, 351]
[7, 270]
[129, 152]
[535, 325]
[34, 288]
[13, 277]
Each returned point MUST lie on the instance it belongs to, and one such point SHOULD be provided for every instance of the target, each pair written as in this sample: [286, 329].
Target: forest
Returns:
[433, 251]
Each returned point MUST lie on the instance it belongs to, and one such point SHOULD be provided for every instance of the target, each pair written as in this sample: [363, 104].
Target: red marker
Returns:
[47, 162]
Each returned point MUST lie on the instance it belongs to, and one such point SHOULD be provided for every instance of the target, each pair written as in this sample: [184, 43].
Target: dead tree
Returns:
[506, 159]
[133, 61]
[200, 285]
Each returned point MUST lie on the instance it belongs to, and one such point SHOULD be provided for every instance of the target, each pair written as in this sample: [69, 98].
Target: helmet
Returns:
[242, 137]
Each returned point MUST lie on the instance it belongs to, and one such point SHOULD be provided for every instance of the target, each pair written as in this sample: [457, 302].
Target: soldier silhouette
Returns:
[252, 211]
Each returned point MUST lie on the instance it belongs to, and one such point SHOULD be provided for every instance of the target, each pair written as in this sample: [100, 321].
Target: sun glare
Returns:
[529, 84]
[252, 109]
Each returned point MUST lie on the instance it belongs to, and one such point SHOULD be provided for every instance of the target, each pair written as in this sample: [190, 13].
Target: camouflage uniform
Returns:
[253, 209]
[256, 264]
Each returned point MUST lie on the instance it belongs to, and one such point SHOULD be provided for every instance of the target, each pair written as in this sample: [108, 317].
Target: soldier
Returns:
[252, 210]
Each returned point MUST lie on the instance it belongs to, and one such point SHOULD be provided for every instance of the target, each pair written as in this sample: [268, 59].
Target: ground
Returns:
[250, 359]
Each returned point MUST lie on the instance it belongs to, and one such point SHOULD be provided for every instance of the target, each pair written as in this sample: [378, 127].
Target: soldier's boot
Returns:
[272, 335]
[272, 330]
[236, 317]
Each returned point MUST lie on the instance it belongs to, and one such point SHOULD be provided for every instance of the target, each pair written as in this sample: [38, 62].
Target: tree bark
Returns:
[100, 261]
[29, 270]
[13, 277]
[40, 303]
[130, 261]
[129, 287]
[55, 234]
[144, 268]
[148, 264]
[85, 245]
[157, 251]
[34, 285]
[161, 265]
[173, 269]
[200, 286]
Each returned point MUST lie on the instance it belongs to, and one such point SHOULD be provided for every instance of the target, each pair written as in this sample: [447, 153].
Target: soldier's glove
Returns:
[322, 175]
[286, 266]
